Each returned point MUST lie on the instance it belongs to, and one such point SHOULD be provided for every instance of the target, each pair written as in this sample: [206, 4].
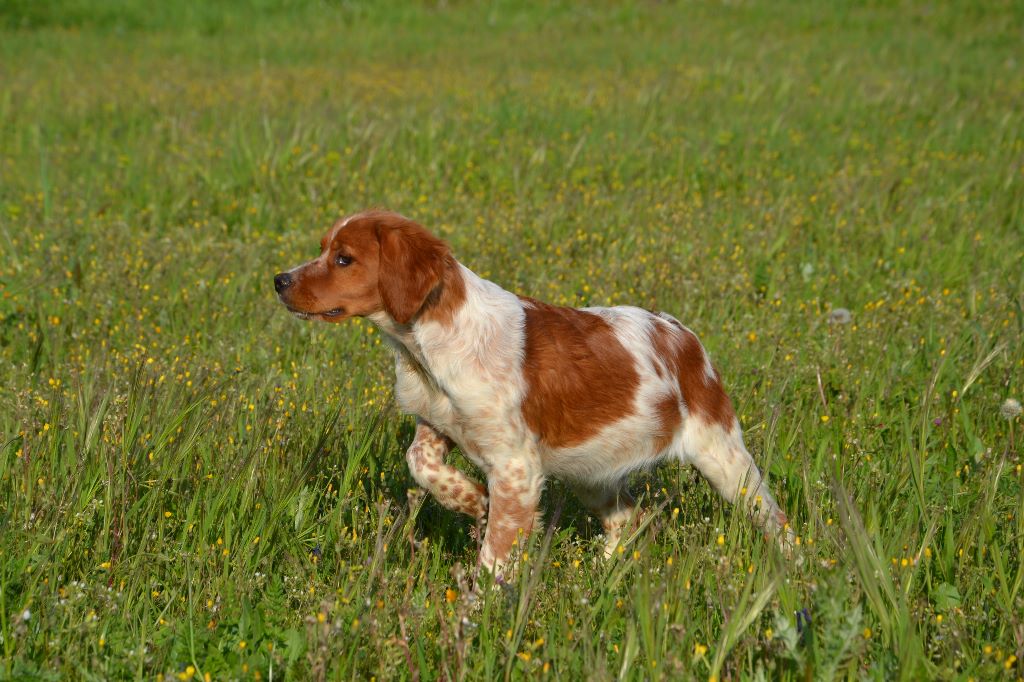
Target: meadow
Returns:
[196, 485]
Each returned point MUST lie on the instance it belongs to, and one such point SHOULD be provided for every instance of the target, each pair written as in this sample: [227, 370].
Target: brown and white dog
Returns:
[527, 390]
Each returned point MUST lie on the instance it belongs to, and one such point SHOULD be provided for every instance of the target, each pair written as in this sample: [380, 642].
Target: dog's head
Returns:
[369, 263]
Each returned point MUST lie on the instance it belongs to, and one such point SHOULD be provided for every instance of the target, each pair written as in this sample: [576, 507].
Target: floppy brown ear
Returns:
[412, 263]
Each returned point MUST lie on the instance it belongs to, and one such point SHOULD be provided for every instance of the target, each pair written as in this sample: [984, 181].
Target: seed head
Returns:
[840, 316]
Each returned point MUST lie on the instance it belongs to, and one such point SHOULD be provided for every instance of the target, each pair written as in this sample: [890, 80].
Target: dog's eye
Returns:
[343, 260]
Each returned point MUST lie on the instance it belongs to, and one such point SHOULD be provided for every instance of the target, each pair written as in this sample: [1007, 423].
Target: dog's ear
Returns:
[412, 263]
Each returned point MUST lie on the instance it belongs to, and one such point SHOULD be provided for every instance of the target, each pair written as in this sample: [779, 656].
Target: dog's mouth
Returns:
[306, 315]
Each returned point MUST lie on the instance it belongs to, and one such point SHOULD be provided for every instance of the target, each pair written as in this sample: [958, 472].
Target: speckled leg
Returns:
[514, 495]
[448, 485]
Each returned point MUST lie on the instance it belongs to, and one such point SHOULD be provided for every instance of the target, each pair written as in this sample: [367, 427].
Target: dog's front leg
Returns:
[448, 485]
[514, 489]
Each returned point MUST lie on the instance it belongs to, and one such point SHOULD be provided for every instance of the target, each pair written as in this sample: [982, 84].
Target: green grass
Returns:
[194, 482]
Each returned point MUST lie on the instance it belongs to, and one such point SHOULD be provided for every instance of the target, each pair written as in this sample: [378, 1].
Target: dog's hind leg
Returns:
[448, 485]
[722, 458]
[612, 504]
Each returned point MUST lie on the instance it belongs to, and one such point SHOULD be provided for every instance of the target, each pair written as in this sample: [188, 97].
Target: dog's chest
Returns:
[416, 395]
[478, 416]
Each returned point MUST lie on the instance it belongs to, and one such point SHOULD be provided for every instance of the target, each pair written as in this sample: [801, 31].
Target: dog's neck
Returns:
[464, 319]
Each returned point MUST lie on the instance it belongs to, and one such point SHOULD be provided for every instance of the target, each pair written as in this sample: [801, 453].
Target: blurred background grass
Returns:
[193, 482]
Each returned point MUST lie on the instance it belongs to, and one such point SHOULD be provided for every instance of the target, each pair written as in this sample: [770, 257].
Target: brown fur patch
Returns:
[579, 377]
[446, 298]
[682, 353]
[669, 419]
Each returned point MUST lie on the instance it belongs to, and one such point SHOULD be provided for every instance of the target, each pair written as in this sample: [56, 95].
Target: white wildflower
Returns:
[840, 316]
[1010, 409]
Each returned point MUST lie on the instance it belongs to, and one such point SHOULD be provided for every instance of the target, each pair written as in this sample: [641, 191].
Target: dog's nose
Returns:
[282, 281]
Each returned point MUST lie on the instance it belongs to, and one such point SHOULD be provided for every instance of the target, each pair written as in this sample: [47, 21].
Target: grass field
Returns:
[194, 484]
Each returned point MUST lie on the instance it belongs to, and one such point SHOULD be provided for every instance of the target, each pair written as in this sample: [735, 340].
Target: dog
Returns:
[527, 390]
